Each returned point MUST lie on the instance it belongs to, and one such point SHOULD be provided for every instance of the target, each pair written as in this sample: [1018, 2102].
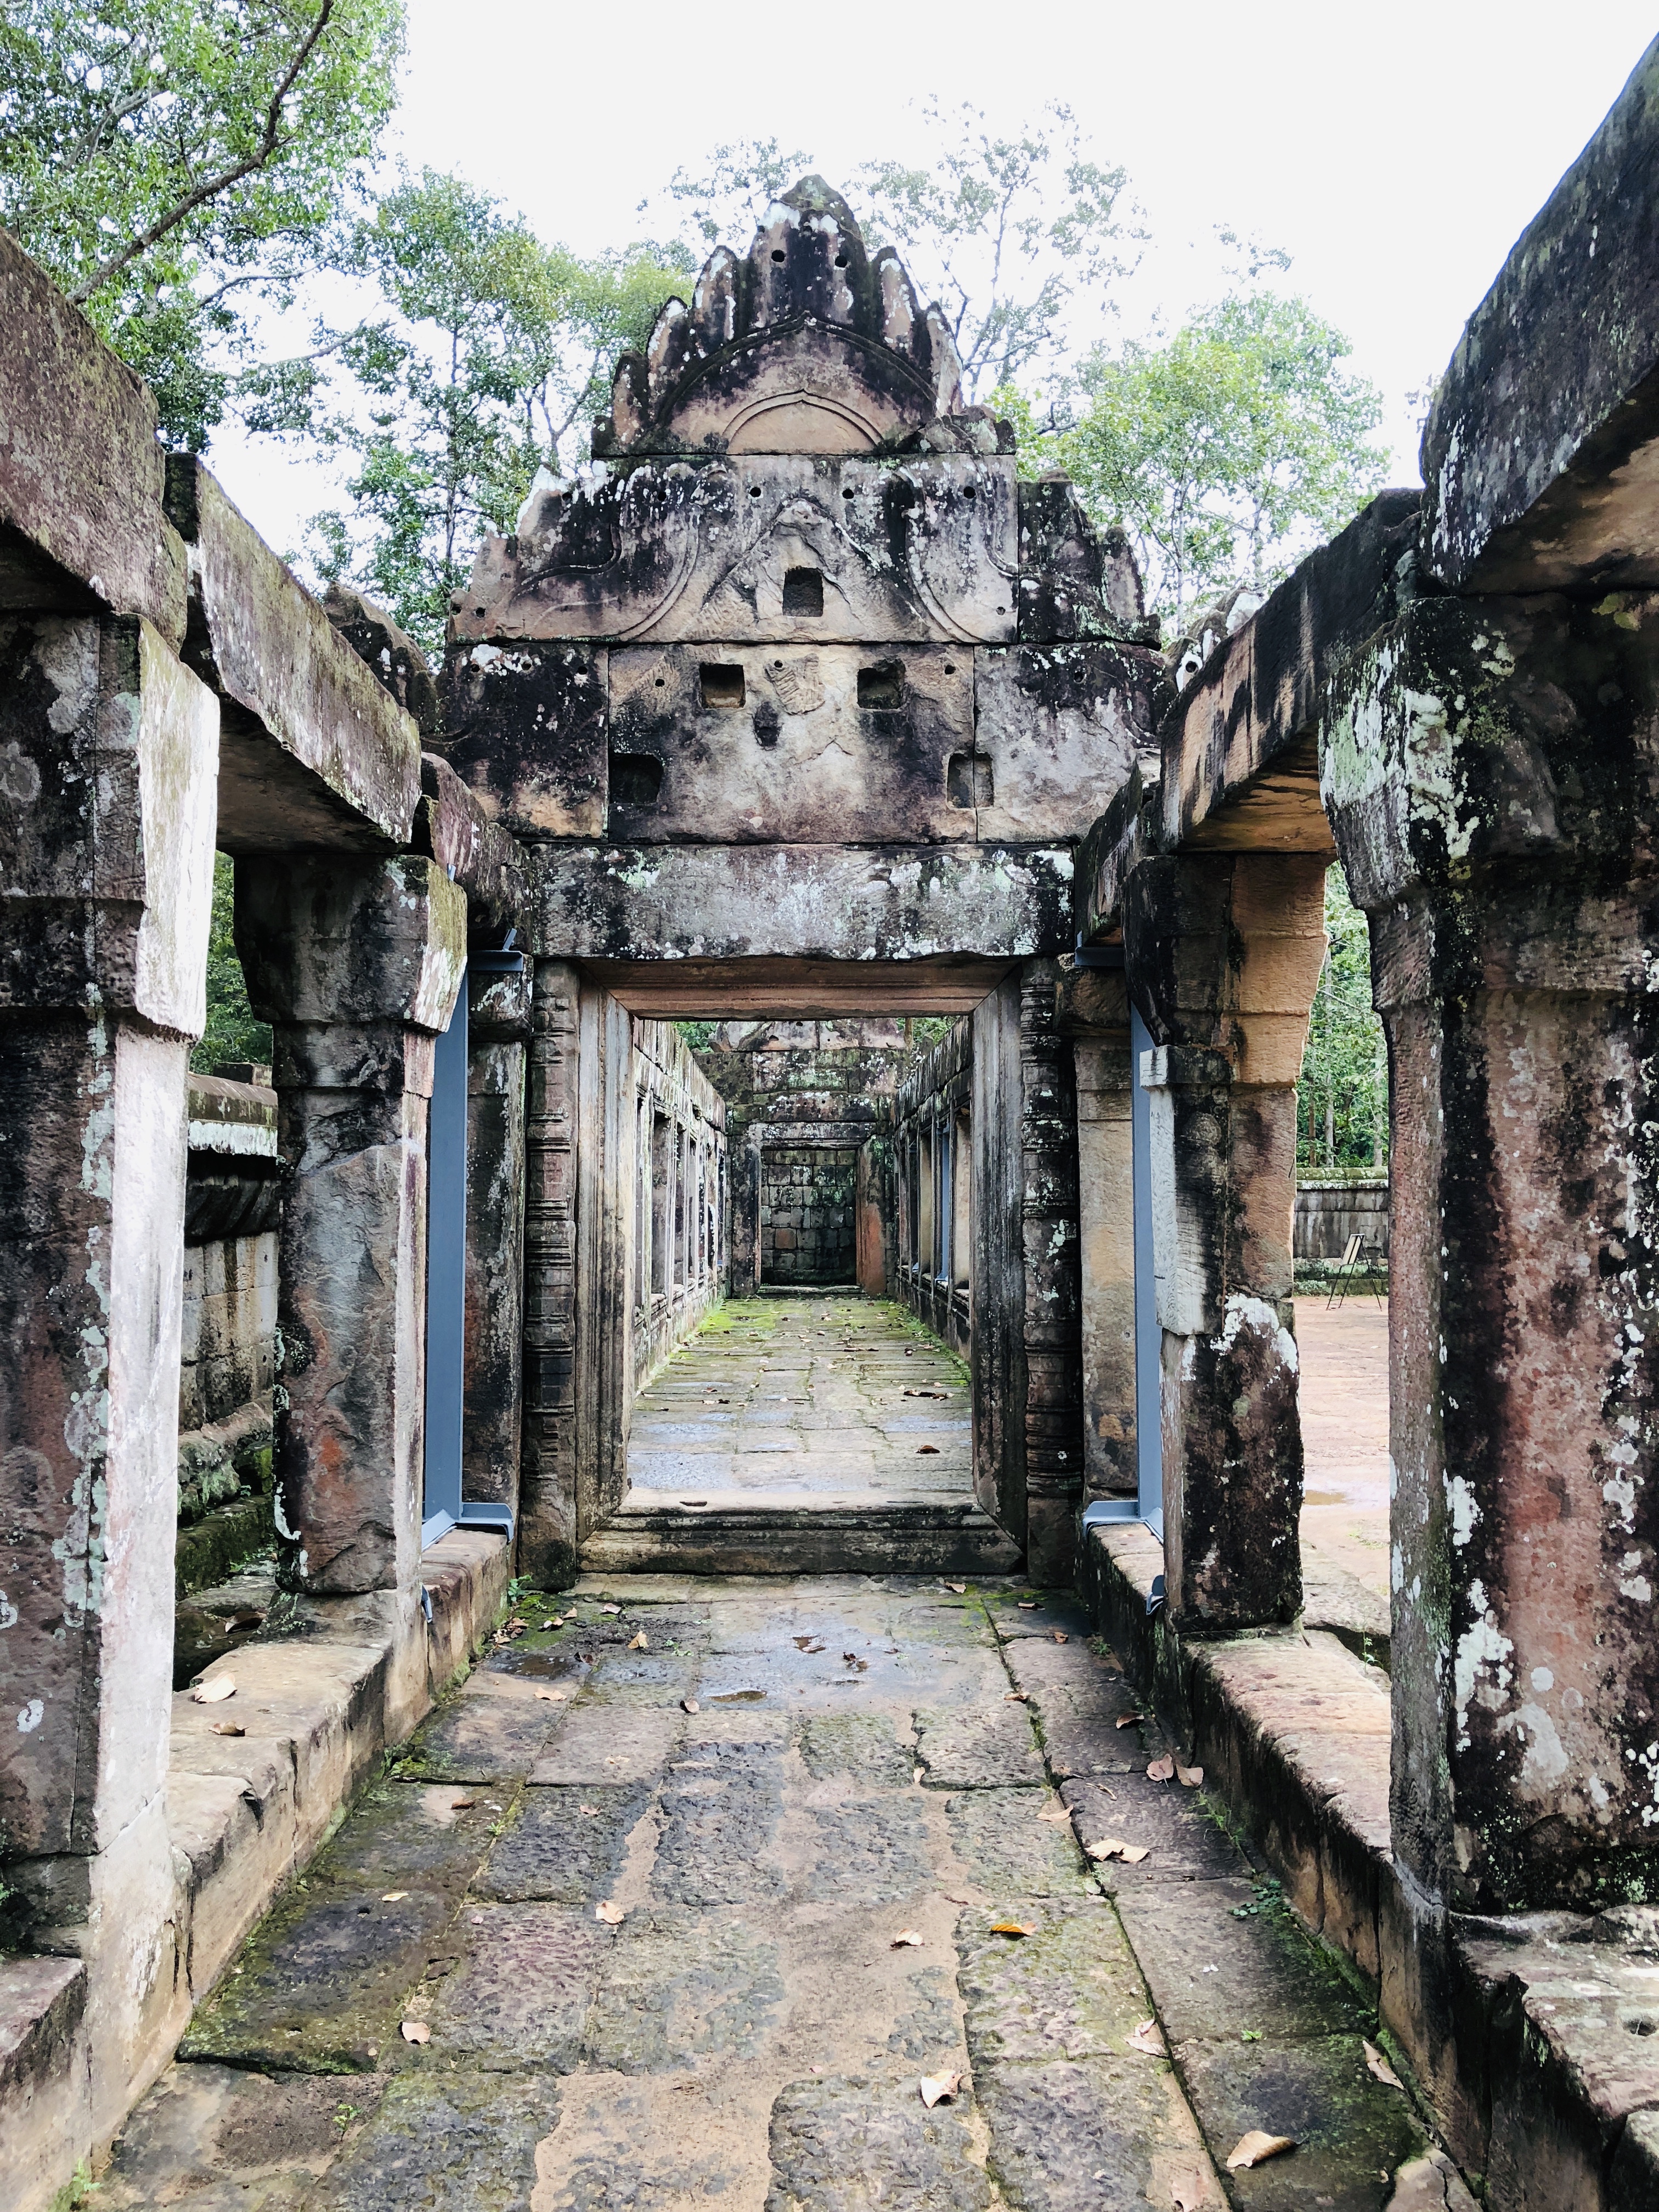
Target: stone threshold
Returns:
[758, 1534]
[1534, 2038]
[320, 1707]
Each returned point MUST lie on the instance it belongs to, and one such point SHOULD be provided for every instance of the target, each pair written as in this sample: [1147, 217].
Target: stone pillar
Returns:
[498, 1028]
[1054, 1373]
[547, 1482]
[1489, 768]
[1224, 953]
[355, 964]
[108, 769]
[1094, 1011]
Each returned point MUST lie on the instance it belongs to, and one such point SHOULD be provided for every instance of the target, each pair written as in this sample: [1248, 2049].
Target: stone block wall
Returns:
[806, 1201]
[1329, 1212]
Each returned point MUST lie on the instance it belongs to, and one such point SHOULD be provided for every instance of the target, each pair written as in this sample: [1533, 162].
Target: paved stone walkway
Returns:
[1343, 1396]
[690, 1885]
[835, 1399]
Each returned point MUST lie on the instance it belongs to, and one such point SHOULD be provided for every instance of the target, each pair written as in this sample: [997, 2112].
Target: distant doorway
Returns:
[807, 1229]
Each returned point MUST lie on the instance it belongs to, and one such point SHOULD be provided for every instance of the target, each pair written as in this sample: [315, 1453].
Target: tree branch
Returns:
[211, 187]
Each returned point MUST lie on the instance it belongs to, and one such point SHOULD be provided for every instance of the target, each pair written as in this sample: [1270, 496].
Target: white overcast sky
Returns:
[1394, 151]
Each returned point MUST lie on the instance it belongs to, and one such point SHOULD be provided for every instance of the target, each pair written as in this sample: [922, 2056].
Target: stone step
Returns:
[796, 1536]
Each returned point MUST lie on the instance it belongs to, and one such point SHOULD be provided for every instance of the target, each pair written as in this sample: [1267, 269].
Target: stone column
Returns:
[547, 1482]
[1052, 1346]
[1094, 1011]
[498, 1028]
[1489, 770]
[355, 964]
[1223, 954]
[108, 769]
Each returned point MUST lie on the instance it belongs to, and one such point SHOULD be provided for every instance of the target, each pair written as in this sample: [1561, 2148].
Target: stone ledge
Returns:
[244, 1816]
[1529, 2036]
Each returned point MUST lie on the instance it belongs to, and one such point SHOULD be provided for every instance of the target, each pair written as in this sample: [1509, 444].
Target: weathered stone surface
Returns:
[720, 1808]
[472, 849]
[899, 551]
[1062, 726]
[566, 1844]
[498, 1029]
[871, 1848]
[397, 663]
[1071, 1990]
[1227, 1959]
[1240, 746]
[473, 1738]
[1008, 1853]
[1068, 2137]
[449, 2143]
[973, 1751]
[1075, 580]
[686, 1991]
[206, 2131]
[1352, 2134]
[80, 471]
[519, 2000]
[888, 903]
[1539, 453]
[526, 730]
[317, 753]
[847, 2144]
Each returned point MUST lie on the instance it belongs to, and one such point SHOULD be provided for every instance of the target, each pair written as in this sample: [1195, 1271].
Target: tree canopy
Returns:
[173, 161]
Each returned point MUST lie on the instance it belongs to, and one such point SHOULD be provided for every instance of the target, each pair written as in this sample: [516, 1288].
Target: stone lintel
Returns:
[866, 904]
[1240, 747]
[351, 944]
[316, 752]
[1540, 458]
[80, 471]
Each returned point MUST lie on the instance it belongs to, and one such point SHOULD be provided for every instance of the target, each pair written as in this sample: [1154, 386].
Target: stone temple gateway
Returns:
[799, 713]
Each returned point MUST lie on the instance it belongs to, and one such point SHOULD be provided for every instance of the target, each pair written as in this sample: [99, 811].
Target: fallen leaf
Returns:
[228, 1728]
[588, 1812]
[394, 1897]
[639, 1643]
[1380, 2068]
[416, 2031]
[1014, 1698]
[610, 1608]
[462, 1804]
[1252, 2149]
[961, 1588]
[1190, 1777]
[553, 1697]
[1011, 1928]
[1132, 1854]
[809, 1643]
[214, 1690]
[1060, 1635]
[238, 1621]
[1056, 1814]
[1148, 2040]
[612, 1915]
[1026, 1604]
[918, 1774]
[689, 1705]
[906, 1938]
[557, 1621]
[922, 1450]
[1161, 1770]
[938, 2088]
[1130, 1720]
[1190, 2186]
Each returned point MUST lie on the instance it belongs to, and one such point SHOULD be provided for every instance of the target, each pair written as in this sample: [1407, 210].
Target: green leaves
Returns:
[1343, 1091]
[169, 160]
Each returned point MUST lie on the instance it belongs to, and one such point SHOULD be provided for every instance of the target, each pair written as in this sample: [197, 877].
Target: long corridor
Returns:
[818, 1896]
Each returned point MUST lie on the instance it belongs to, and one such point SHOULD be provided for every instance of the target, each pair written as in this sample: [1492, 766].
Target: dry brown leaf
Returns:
[1060, 1635]
[228, 1728]
[214, 1690]
[1190, 1777]
[922, 1451]
[639, 1643]
[1190, 2186]
[961, 1588]
[918, 1774]
[1132, 1854]
[938, 2088]
[1253, 2148]
[394, 1897]
[906, 1939]
[462, 1804]
[689, 1705]
[1026, 1604]
[1148, 2040]
[612, 1915]
[610, 1608]
[416, 2031]
[1161, 1770]
[1115, 1847]
[1011, 1928]
[553, 1697]
[1056, 1814]
[1014, 1698]
[1130, 1720]
[1380, 2068]
[588, 1812]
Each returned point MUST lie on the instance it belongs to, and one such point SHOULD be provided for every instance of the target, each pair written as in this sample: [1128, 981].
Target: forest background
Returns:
[205, 180]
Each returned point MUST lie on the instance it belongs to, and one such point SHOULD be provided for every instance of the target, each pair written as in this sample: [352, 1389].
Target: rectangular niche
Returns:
[720, 683]
[803, 592]
[881, 689]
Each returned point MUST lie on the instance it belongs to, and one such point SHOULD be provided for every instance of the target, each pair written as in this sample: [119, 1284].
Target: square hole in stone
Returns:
[883, 686]
[636, 779]
[803, 592]
[721, 684]
[968, 781]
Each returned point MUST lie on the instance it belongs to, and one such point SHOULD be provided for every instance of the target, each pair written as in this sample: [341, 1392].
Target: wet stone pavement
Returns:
[833, 1399]
[687, 1889]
